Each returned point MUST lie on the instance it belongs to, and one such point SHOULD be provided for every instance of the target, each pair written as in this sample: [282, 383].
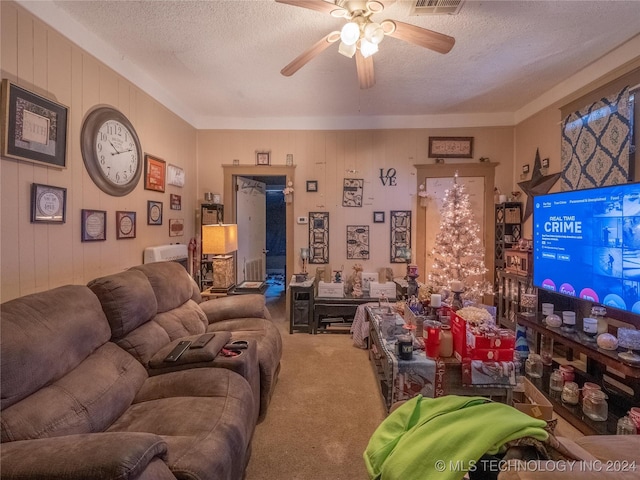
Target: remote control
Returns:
[202, 340]
[179, 349]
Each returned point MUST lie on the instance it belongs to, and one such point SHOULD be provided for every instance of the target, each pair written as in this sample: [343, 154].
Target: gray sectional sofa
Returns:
[85, 392]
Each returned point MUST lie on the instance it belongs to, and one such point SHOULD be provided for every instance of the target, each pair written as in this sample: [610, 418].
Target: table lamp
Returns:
[221, 240]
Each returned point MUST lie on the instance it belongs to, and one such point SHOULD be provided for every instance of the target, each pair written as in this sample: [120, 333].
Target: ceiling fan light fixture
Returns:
[367, 48]
[373, 32]
[347, 50]
[350, 33]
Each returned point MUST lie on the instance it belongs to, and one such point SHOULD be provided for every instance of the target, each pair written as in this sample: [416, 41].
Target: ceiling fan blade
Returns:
[364, 66]
[422, 37]
[309, 54]
[317, 5]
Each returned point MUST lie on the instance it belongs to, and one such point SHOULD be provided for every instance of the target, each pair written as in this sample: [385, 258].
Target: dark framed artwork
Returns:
[312, 185]
[400, 221]
[175, 201]
[176, 227]
[263, 158]
[125, 225]
[318, 237]
[48, 204]
[352, 192]
[154, 173]
[154, 213]
[378, 217]
[93, 225]
[34, 128]
[358, 242]
[450, 147]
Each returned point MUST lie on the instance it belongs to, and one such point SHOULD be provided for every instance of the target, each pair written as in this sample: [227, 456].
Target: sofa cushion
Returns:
[87, 399]
[58, 328]
[127, 299]
[170, 282]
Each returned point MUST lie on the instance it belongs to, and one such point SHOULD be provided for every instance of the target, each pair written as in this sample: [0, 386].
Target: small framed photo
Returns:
[378, 217]
[48, 204]
[263, 158]
[175, 202]
[34, 127]
[125, 225]
[176, 227]
[312, 185]
[154, 213]
[93, 225]
[175, 175]
[154, 173]
[525, 168]
[545, 163]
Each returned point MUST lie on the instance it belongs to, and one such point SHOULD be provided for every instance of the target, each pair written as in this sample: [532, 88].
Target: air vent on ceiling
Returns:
[435, 7]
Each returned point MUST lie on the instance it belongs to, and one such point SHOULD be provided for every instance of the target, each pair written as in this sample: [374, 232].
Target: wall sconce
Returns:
[545, 166]
[525, 171]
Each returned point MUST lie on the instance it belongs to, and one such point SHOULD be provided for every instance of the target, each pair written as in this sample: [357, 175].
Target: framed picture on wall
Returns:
[263, 158]
[312, 185]
[93, 225]
[154, 213]
[48, 204]
[125, 225]
[176, 227]
[34, 127]
[154, 173]
[378, 217]
[450, 147]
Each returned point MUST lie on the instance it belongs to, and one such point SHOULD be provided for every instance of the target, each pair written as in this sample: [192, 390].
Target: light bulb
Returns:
[350, 33]
[373, 32]
[367, 48]
[347, 50]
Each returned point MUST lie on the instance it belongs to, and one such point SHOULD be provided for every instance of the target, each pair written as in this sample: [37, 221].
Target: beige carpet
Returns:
[324, 409]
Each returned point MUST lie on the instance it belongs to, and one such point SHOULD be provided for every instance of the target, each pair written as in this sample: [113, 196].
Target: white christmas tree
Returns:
[458, 253]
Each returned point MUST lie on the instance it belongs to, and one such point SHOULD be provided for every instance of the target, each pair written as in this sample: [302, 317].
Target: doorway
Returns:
[278, 241]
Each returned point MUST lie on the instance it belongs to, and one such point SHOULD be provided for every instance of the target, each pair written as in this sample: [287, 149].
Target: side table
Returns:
[301, 300]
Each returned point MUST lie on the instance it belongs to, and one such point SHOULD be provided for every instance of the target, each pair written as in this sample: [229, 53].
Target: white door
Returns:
[252, 231]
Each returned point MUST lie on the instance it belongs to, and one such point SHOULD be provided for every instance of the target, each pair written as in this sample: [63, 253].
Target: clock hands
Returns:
[116, 150]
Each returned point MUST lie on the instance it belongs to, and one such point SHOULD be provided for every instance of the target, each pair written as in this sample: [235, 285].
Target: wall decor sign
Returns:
[175, 202]
[358, 242]
[318, 237]
[154, 213]
[450, 147]
[175, 175]
[378, 217]
[312, 185]
[176, 227]
[48, 204]
[34, 128]
[93, 225]
[352, 192]
[125, 225]
[389, 177]
[154, 173]
[400, 235]
[263, 158]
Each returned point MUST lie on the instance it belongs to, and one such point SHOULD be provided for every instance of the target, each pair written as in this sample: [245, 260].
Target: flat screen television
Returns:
[586, 244]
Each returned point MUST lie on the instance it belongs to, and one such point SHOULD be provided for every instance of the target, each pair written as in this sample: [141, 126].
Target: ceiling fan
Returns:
[361, 35]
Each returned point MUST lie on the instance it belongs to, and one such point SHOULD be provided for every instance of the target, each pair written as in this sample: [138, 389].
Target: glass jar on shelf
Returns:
[595, 406]
[599, 313]
[533, 366]
[571, 393]
[556, 382]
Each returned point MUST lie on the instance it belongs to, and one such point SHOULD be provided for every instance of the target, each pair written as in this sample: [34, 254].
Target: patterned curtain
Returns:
[595, 144]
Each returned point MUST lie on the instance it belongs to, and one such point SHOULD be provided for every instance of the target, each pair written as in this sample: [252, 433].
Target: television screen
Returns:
[586, 244]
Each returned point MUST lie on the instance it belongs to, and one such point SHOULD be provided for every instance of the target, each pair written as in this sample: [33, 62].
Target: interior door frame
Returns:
[485, 170]
[230, 172]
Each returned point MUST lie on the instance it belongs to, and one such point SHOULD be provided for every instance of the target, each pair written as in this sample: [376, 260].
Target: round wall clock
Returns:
[111, 151]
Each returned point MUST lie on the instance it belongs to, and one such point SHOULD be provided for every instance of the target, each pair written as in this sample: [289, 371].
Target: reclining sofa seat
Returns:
[76, 406]
[151, 307]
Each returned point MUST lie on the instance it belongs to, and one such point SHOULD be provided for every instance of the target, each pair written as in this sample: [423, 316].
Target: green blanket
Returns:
[442, 437]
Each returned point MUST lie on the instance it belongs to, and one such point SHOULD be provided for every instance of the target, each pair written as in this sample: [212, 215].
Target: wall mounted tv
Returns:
[586, 244]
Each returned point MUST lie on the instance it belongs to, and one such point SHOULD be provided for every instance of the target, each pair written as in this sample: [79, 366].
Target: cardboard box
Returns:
[377, 290]
[533, 402]
[332, 290]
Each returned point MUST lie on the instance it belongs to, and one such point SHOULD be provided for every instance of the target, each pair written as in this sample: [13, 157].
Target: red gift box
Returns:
[500, 339]
[492, 354]
[489, 346]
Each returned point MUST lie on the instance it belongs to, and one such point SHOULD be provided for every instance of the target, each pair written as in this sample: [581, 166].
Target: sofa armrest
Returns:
[92, 455]
[192, 357]
[235, 306]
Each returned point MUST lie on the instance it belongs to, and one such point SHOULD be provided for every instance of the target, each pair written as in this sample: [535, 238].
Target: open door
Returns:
[251, 220]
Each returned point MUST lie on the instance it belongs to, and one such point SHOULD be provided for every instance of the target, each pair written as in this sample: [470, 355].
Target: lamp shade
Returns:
[219, 239]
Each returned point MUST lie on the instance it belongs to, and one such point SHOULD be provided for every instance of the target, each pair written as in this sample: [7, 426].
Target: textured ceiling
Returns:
[222, 59]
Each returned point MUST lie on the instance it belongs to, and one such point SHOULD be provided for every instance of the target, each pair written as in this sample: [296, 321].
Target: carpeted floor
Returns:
[325, 407]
